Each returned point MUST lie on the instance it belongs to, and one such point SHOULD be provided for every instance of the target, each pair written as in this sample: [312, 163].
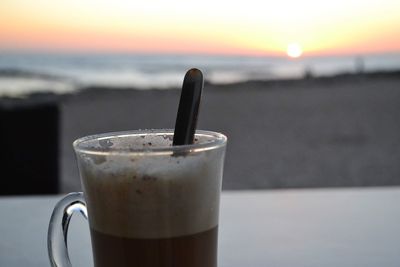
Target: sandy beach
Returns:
[324, 132]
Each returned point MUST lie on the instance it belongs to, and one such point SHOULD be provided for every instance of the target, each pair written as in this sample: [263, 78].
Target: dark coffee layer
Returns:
[198, 250]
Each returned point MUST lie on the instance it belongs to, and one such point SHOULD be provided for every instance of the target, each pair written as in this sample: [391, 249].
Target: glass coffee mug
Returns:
[148, 203]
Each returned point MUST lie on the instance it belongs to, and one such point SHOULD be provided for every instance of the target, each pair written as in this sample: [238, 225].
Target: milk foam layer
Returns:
[152, 195]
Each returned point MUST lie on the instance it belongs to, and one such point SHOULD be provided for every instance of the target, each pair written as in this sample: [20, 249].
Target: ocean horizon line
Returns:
[280, 55]
[21, 74]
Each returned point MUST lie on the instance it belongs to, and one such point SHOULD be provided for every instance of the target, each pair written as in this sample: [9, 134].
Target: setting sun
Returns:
[256, 28]
[294, 50]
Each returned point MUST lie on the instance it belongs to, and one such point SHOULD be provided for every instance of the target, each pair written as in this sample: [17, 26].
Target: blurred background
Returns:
[308, 92]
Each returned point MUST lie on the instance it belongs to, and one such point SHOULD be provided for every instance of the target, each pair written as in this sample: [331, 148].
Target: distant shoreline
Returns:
[392, 74]
[67, 73]
[265, 83]
[345, 76]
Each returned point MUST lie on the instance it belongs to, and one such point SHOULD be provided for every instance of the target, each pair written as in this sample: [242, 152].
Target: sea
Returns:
[25, 73]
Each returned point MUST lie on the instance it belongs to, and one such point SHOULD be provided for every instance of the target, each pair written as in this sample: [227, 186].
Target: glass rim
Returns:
[217, 140]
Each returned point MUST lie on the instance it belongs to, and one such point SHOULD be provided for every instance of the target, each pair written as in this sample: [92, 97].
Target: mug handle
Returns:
[58, 228]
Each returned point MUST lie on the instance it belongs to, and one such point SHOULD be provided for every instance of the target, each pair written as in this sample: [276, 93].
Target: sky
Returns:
[247, 27]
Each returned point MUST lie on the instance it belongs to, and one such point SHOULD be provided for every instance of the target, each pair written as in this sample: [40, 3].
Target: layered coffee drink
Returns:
[198, 250]
[150, 204]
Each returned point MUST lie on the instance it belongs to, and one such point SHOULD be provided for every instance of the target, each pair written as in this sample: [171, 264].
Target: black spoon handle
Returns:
[186, 119]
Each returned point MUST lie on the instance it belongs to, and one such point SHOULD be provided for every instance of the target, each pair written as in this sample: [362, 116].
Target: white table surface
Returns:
[313, 227]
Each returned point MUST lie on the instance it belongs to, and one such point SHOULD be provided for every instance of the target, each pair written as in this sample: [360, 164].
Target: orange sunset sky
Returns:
[248, 27]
